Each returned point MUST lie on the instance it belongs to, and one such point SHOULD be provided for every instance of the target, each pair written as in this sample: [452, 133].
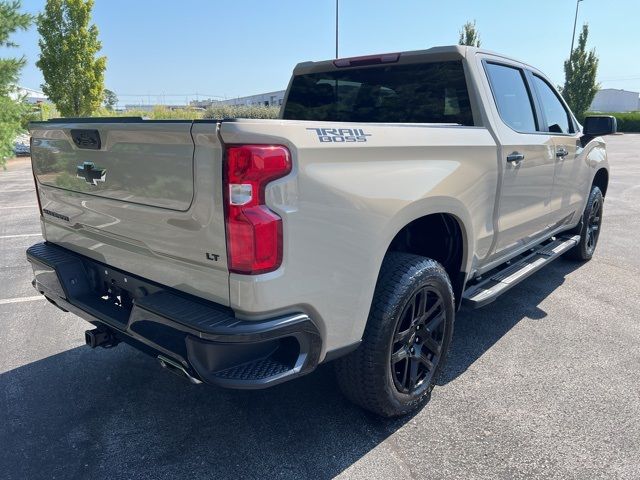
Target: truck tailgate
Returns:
[142, 196]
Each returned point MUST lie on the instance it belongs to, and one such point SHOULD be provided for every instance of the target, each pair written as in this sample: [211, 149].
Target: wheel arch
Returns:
[601, 180]
[443, 235]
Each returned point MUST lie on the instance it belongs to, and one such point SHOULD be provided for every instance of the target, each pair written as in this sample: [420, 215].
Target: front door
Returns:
[570, 177]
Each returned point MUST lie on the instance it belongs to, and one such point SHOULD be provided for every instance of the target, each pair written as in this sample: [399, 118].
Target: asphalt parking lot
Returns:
[542, 383]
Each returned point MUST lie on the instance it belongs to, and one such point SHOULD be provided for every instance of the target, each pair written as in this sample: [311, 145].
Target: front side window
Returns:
[556, 116]
[512, 97]
[433, 92]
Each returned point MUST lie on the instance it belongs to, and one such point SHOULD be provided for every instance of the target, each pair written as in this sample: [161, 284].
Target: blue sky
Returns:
[168, 50]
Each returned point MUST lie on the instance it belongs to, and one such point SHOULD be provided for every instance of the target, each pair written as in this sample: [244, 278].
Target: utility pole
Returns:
[575, 21]
[337, 28]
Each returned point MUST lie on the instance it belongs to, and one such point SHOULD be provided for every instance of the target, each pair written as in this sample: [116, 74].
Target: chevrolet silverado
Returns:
[392, 190]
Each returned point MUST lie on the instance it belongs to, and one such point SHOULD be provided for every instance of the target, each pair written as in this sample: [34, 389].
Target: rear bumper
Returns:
[204, 338]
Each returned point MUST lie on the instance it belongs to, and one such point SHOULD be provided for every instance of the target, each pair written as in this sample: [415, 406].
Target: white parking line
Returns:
[18, 206]
[21, 235]
[17, 191]
[20, 300]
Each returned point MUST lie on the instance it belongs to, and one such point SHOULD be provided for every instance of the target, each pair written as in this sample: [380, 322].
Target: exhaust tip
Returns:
[177, 369]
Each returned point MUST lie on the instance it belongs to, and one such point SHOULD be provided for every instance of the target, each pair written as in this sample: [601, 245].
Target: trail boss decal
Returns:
[340, 135]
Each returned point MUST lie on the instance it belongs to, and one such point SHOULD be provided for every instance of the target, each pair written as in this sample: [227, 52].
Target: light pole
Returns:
[337, 28]
[575, 21]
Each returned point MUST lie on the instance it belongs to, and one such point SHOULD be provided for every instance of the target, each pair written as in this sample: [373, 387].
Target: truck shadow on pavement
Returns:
[115, 414]
[476, 331]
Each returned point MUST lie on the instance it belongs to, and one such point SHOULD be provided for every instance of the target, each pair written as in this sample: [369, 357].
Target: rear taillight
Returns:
[254, 233]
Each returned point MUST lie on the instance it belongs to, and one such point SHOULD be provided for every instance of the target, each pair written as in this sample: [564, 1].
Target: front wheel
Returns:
[406, 340]
[590, 227]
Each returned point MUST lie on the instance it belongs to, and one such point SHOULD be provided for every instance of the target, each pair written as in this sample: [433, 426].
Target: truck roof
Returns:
[440, 53]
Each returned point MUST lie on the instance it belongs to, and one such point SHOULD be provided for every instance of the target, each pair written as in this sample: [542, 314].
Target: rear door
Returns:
[569, 188]
[142, 196]
[526, 156]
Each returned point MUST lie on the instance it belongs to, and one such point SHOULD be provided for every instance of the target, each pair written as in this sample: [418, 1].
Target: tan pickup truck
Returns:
[393, 189]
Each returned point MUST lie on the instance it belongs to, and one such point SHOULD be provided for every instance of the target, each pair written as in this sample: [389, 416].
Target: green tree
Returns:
[73, 74]
[469, 35]
[11, 108]
[580, 72]
[110, 99]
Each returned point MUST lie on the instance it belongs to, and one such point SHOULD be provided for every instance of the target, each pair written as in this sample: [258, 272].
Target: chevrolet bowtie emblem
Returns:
[90, 173]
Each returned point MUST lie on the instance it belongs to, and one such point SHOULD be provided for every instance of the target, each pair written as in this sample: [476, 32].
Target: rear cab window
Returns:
[433, 92]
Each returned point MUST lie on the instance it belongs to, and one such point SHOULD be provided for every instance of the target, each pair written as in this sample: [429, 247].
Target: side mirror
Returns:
[597, 126]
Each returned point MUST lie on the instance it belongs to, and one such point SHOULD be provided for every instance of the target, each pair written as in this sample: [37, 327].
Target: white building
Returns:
[614, 100]
[266, 99]
[31, 96]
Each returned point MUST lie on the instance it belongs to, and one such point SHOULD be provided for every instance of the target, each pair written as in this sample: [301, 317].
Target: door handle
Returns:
[562, 152]
[515, 157]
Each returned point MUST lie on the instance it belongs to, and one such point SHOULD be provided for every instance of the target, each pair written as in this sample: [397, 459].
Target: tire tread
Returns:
[579, 252]
[361, 373]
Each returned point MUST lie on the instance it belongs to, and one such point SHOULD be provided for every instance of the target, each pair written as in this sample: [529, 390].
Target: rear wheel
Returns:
[589, 228]
[405, 342]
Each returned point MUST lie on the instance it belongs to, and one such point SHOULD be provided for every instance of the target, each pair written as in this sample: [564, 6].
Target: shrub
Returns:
[38, 112]
[219, 112]
[159, 112]
[164, 113]
[46, 111]
[627, 121]
[31, 113]
[11, 113]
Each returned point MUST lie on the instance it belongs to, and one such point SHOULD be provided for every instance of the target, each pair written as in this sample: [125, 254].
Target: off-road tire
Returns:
[589, 228]
[366, 376]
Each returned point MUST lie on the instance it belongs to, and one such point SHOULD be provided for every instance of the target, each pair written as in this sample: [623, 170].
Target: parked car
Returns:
[21, 146]
[394, 189]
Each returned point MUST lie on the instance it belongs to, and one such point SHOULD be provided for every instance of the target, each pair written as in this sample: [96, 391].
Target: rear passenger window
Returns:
[512, 97]
[555, 115]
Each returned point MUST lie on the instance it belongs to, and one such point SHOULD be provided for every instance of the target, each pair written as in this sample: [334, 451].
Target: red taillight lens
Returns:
[254, 233]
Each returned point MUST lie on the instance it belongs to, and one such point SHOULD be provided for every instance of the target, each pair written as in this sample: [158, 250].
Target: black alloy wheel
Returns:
[593, 224]
[405, 341]
[417, 341]
[589, 228]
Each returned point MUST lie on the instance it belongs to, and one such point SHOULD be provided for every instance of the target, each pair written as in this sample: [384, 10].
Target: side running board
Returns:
[487, 290]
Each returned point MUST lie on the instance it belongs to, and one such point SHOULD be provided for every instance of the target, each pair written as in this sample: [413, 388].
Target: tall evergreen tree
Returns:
[469, 35]
[69, 45]
[580, 72]
[11, 109]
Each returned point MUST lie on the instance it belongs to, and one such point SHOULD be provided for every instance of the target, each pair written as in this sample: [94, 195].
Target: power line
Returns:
[616, 79]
